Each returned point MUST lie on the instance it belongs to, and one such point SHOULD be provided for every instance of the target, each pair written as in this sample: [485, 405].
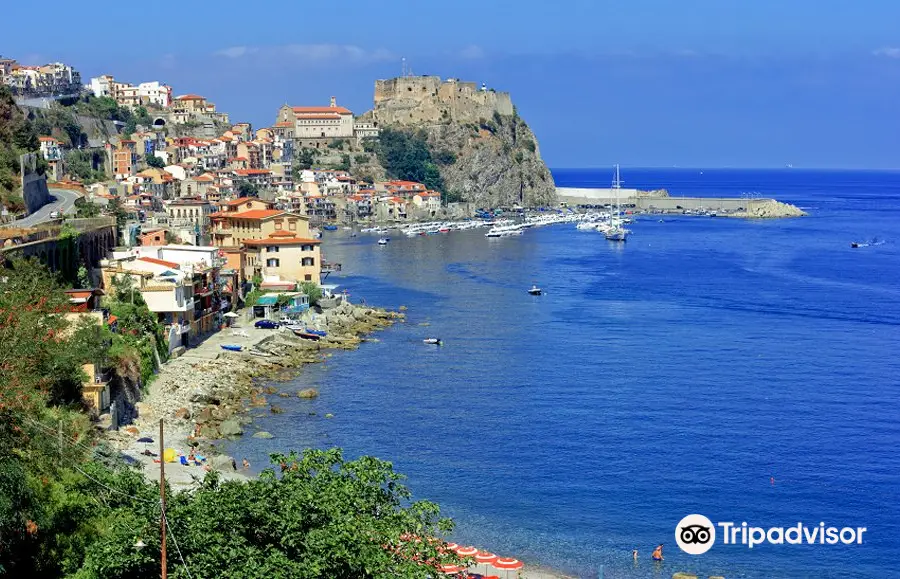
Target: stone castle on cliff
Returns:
[417, 100]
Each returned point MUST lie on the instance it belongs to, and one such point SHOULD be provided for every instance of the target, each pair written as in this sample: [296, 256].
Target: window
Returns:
[292, 224]
[307, 277]
[272, 262]
[271, 249]
[308, 261]
[306, 248]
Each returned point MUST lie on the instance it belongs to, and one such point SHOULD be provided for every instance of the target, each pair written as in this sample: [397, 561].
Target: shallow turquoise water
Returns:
[672, 374]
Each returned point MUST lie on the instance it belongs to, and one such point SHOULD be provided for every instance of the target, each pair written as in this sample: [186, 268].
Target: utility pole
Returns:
[162, 495]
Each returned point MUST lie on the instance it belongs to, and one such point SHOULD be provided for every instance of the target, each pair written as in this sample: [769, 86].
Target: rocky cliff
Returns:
[485, 151]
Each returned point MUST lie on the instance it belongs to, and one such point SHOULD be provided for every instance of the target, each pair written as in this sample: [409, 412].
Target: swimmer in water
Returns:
[634, 555]
[657, 553]
[772, 480]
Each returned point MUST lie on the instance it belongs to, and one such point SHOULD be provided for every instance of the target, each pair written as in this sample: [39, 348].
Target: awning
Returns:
[267, 301]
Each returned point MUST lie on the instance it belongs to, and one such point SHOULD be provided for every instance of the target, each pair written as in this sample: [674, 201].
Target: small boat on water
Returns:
[535, 290]
[321, 333]
[330, 227]
[306, 335]
[434, 341]
[232, 347]
[384, 240]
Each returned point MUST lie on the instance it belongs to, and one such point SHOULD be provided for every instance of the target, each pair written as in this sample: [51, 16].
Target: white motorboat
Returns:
[384, 240]
[433, 341]
[535, 290]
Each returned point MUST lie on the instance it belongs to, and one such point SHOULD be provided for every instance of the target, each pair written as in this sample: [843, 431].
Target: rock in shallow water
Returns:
[263, 434]
[308, 393]
[231, 428]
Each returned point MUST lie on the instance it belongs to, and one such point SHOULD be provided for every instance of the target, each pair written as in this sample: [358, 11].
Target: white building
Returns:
[102, 86]
[318, 122]
[155, 94]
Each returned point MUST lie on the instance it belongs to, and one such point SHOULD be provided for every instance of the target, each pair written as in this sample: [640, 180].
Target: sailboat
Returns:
[615, 231]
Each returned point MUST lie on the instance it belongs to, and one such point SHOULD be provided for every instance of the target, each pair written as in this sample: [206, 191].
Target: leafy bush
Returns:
[304, 160]
[529, 144]
[154, 161]
[361, 159]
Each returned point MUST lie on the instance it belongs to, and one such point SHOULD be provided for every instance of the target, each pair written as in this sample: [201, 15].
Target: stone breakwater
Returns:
[208, 390]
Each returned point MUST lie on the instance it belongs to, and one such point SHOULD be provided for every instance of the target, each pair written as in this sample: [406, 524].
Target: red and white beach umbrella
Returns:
[466, 551]
[450, 569]
[484, 560]
[507, 565]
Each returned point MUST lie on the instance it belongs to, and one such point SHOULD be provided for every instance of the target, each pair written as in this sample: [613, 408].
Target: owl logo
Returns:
[695, 534]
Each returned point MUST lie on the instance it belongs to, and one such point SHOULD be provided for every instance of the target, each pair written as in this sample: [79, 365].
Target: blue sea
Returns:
[680, 372]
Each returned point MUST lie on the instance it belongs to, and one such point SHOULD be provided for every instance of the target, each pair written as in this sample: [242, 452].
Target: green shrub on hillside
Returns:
[405, 155]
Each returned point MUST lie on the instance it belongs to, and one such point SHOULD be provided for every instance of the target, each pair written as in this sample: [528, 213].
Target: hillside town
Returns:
[245, 201]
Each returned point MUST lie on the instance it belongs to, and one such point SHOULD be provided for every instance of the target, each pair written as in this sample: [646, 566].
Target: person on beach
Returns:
[246, 464]
[657, 553]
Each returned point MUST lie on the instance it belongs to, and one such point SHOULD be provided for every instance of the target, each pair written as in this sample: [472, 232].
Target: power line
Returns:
[177, 548]
[47, 430]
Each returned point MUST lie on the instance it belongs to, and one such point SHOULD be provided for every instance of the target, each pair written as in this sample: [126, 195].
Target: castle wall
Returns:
[425, 99]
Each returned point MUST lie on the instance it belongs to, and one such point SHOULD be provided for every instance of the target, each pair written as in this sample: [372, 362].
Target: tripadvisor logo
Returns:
[695, 534]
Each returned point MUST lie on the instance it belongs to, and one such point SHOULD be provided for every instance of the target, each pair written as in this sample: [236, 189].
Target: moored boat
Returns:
[306, 335]
[535, 290]
[232, 347]
[433, 341]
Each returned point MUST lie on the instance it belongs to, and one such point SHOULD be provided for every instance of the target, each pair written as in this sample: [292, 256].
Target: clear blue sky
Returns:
[814, 83]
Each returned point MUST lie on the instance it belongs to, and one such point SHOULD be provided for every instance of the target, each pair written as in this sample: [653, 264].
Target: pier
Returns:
[749, 205]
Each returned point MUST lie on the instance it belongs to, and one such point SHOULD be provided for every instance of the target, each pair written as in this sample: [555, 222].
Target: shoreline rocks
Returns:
[204, 395]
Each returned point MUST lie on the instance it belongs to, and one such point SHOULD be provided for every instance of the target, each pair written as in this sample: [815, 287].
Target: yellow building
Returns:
[285, 255]
[249, 222]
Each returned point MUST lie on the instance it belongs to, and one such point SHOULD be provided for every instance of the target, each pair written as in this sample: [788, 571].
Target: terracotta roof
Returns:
[47, 139]
[191, 97]
[252, 171]
[204, 178]
[283, 233]
[255, 214]
[242, 200]
[306, 110]
[293, 240]
[321, 117]
[159, 262]
[284, 124]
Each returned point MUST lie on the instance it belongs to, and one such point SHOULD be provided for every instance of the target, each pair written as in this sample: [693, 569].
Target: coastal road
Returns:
[62, 200]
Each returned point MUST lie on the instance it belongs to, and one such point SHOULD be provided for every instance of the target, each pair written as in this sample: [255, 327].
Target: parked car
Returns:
[55, 215]
[267, 324]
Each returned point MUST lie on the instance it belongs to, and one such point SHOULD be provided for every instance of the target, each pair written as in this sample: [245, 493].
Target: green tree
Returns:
[312, 515]
[117, 210]
[312, 290]
[84, 209]
[154, 161]
[306, 158]
[247, 189]
[405, 155]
